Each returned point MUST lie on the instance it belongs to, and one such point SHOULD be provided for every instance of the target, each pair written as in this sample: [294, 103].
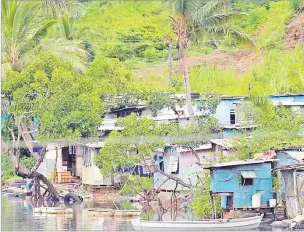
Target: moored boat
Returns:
[248, 223]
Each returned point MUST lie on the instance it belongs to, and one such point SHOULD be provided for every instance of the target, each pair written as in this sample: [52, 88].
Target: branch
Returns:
[13, 135]
[176, 179]
[29, 132]
[197, 157]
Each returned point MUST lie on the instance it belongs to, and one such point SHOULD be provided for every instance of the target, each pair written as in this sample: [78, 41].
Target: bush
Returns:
[201, 204]
[295, 4]
[7, 167]
[28, 162]
[151, 54]
[134, 187]
[278, 73]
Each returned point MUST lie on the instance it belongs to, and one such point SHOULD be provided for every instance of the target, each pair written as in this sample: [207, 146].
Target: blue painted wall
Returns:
[227, 179]
[225, 105]
[229, 133]
[223, 110]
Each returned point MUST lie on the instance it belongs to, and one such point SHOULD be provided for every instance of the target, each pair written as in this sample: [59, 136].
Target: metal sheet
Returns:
[248, 174]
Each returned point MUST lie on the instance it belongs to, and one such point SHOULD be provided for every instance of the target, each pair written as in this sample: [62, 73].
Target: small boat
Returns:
[204, 225]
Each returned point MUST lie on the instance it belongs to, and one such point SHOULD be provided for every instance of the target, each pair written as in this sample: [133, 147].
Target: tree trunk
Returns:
[170, 64]
[212, 205]
[226, 7]
[13, 154]
[41, 177]
[187, 83]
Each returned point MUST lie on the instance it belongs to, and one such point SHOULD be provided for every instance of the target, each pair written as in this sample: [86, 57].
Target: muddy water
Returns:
[17, 215]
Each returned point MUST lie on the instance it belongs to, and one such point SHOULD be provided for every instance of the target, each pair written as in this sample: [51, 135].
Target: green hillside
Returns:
[134, 32]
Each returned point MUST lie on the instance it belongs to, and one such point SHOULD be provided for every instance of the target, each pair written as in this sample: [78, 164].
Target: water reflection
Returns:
[17, 214]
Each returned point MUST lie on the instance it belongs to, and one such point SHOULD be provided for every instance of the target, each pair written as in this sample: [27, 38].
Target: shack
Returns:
[291, 166]
[242, 184]
[184, 164]
[91, 174]
[68, 162]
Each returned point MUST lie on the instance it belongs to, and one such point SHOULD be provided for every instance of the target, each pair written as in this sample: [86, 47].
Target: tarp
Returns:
[173, 164]
[248, 174]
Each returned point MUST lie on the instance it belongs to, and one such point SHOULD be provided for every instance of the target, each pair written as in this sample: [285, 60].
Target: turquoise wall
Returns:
[227, 180]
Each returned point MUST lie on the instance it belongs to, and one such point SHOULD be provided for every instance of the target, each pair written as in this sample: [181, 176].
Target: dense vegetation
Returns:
[277, 73]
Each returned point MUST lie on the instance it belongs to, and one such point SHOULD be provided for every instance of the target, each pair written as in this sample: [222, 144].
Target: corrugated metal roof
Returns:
[239, 162]
[287, 103]
[202, 147]
[227, 143]
[297, 156]
[248, 174]
[95, 145]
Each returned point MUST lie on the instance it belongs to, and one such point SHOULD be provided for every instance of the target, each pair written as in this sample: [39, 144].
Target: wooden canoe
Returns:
[204, 225]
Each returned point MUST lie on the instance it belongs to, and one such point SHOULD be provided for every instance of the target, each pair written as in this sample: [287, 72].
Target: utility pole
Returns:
[168, 42]
[170, 64]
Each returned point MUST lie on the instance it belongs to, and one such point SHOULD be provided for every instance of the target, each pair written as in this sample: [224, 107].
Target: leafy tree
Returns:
[7, 167]
[277, 125]
[194, 18]
[157, 101]
[201, 205]
[67, 104]
[111, 75]
[138, 139]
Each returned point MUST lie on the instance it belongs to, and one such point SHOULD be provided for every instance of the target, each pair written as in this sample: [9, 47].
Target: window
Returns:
[161, 166]
[246, 181]
[232, 117]
[177, 170]
[246, 178]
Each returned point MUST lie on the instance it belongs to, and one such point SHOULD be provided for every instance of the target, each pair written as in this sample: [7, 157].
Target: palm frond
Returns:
[23, 17]
[229, 32]
[81, 32]
[207, 9]
[220, 19]
[43, 31]
[244, 38]
[8, 10]
[71, 51]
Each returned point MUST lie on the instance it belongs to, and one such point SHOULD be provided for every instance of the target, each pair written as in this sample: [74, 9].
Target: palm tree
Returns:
[18, 39]
[67, 28]
[57, 8]
[21, 41]
[194, 18]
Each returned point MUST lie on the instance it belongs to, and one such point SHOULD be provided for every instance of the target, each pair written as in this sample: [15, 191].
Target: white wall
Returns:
[48, 164]
[91, 175]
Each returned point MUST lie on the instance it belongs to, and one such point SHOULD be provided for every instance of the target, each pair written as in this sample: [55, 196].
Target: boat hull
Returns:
[233, 224]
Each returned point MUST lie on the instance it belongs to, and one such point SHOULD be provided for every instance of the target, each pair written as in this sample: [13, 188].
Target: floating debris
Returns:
[52, 210]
